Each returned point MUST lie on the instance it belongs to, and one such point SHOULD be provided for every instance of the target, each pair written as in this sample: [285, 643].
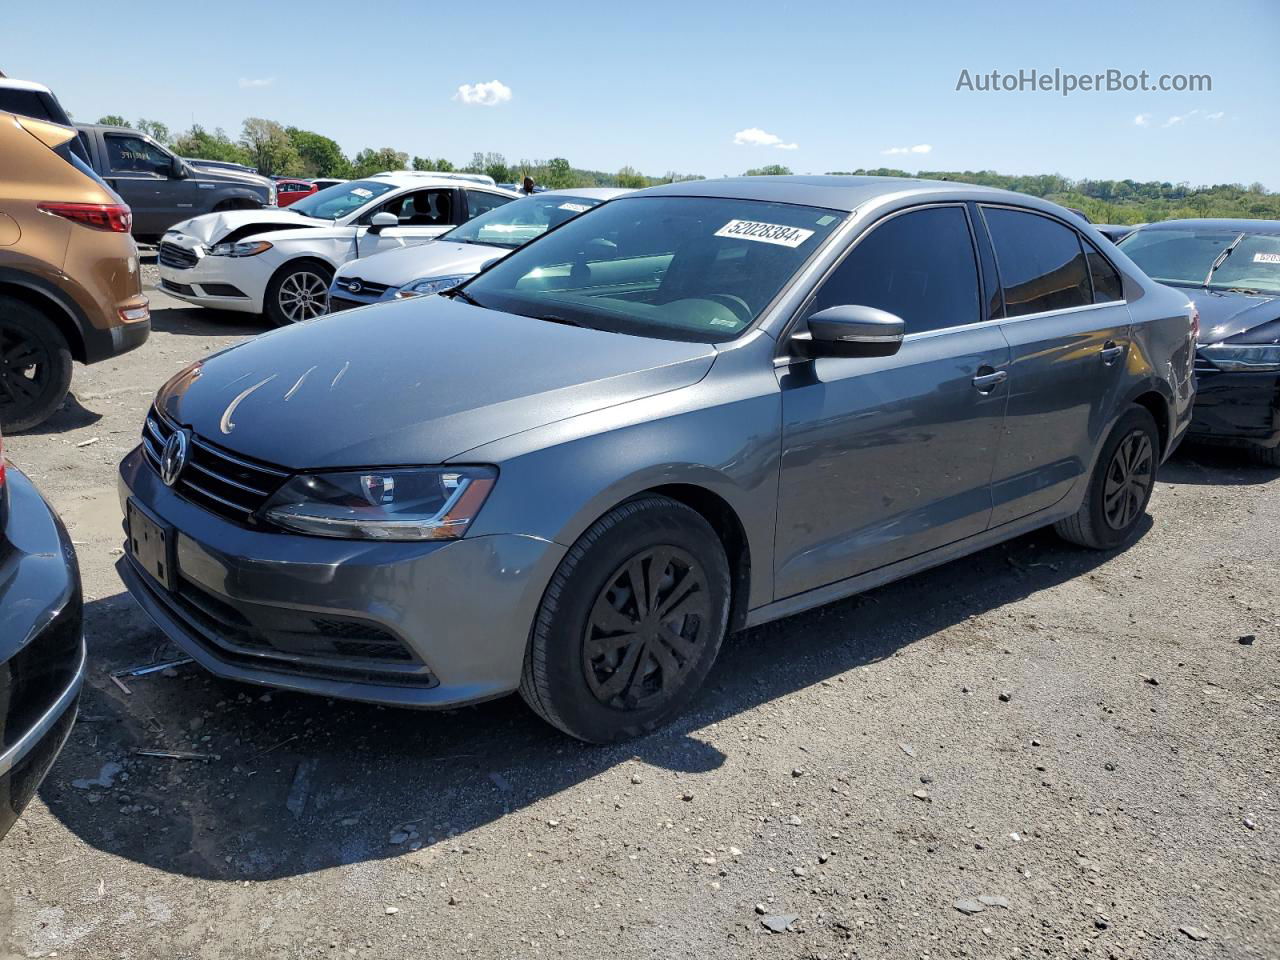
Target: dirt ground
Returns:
[1087, 741]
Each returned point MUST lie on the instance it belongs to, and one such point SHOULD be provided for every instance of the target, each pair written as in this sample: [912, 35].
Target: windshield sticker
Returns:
[575, 207]
[362, 192]
[1266, 258]
[722, 322]
[823, 221]
[778, 233]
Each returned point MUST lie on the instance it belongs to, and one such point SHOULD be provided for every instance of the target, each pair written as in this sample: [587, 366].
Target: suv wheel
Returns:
[1120, 486]
[630, 623]
[35, 366]
[298, 292]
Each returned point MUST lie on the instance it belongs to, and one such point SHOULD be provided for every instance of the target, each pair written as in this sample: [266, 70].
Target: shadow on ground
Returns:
[299, 783]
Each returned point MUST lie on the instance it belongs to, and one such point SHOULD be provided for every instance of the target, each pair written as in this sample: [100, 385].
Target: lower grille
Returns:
[342, 303]
[223, 483]
[172, 255]
[223, 290]
[183, 288]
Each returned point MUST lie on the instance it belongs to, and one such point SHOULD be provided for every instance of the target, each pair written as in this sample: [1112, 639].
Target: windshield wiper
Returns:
[553, 318]
[1222, 258]
[463, 295]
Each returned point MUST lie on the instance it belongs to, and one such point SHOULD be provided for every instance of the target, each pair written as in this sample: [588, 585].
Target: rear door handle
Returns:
[986, 382]
[1110, 352]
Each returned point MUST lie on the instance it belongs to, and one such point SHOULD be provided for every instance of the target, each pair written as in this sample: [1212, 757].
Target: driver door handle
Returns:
[1110, 352]
[986, 382]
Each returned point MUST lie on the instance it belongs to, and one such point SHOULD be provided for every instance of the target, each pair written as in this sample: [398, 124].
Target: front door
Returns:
[139, 171]
[886, 458]
[1069, 331]
[423, 215]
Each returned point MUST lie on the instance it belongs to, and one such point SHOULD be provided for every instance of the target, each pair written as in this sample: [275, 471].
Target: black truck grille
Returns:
[180, 258]
[225, 484]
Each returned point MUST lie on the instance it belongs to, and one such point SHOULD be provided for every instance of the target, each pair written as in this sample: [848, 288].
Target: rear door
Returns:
[1069, 331]
[889, 457]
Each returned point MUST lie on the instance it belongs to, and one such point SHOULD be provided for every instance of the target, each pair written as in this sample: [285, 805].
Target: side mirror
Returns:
[850, 331]
[382, 220]
[178, 170]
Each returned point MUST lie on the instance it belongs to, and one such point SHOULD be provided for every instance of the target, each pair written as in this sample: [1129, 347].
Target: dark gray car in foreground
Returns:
[693, 409]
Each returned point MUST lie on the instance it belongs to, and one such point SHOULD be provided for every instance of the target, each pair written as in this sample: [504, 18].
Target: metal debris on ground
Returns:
[176, 755]
[779, 922]
[296, 802]
[150, 668]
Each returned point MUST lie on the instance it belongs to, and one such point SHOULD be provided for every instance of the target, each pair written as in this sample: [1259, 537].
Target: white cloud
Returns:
[1175, 120]
[755, 137]
[918, 148]
[247, 82]
[1142, 120]
[1215, 116]
[483, 94]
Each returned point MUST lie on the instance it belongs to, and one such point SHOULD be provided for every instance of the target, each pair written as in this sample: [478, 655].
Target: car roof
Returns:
[109, 126]
[1217, 223]
[591, 193]
[834, 192]
[12, 84]
[408, 178]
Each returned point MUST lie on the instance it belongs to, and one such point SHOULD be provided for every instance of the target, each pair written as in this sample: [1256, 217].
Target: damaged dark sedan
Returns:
[1231, 271]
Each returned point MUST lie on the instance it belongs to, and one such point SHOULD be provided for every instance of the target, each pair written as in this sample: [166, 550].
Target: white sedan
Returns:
[280, 262]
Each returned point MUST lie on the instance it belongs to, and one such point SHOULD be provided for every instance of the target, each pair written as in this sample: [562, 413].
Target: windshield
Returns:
[340, 199]
[1177, 256]
[676, 268]
[516, 223]
[1254, 264]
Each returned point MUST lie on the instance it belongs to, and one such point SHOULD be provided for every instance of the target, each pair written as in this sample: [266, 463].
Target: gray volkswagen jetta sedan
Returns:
[693, 409]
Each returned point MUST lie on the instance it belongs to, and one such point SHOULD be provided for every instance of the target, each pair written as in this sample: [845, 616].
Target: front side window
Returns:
[422, 208]
[1041, 263]
[340, 199]
[126, 154]
[675, 268]
[918, 265]
[516, 223]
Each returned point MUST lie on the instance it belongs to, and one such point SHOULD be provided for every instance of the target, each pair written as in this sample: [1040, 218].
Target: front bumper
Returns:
[244, 598]
[1236, 408]
[223, 283]
[42, 655]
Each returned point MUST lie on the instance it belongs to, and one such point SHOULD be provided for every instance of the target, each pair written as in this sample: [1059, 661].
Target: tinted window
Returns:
[478, 202]
[1041, 264]
[918, 265]
[1177, 256]
[126, 154]
[25, 102]
[1106, 281]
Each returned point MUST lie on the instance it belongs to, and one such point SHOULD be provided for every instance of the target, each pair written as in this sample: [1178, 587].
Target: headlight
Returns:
[428, 285]
[1244, 357]
[423, 503]
[250, 248]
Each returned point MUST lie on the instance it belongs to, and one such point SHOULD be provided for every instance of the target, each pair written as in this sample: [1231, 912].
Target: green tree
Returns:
[438, 165]
[198, 143]
[369, 161]
[556, 174]
[318, 156]
[154, 129]
[113, 120]
[772, 170]
[630, 177]
[269, 145]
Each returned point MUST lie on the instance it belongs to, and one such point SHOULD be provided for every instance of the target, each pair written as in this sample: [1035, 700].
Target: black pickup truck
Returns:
[162, 188]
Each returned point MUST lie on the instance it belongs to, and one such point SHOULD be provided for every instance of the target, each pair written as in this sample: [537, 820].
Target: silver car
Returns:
[691, 410]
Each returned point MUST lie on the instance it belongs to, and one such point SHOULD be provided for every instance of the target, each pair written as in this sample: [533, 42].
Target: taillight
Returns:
[116, 217]
[1195, 325]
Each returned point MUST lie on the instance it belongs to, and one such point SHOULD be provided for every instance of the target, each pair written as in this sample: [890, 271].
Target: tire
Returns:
[1127, 465]
[574, 678]
[284, 303]
[35, 366]
[1265, 456]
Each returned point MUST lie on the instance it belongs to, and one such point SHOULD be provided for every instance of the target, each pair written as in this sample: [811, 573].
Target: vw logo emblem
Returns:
[355, 286]
[173, 458]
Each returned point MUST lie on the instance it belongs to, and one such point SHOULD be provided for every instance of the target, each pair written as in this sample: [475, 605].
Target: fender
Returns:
[71, 320]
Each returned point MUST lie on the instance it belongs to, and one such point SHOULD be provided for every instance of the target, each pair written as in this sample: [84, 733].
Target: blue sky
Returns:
[666, 86]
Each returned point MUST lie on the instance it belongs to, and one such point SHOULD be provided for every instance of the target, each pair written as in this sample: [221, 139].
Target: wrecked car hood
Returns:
[414, 382]
[209, 228]
[438, 258]
[1224, 314]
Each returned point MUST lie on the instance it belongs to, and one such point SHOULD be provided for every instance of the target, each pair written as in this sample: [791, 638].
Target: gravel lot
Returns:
[1085, 740]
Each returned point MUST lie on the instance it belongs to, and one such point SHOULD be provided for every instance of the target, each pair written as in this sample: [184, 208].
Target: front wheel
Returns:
[630, 624]
[298, 292]
[1120, 486]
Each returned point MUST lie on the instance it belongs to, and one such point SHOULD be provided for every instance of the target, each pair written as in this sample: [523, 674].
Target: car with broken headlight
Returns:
[463, 251]
[280, 262]
[1231, 271]
[693, 409]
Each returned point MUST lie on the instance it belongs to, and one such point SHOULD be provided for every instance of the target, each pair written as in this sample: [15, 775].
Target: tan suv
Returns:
[70, 287]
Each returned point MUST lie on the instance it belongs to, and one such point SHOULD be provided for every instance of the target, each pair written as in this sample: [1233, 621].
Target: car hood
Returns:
[209, 228]
[414, 382]
[438, 258]
[1224, 315]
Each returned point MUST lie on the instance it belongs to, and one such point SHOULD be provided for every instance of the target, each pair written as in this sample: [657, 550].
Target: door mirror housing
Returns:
[178, 169]
[849, 330]
[382, 220]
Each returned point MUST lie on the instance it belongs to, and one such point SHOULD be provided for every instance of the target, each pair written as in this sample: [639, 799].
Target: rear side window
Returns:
[1106, 281]
[918, 265]
[1042, 266]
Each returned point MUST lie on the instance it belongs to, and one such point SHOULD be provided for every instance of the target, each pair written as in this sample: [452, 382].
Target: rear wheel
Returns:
[298, 292]
[35, 366]
[1120, 486]
[630, 624]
